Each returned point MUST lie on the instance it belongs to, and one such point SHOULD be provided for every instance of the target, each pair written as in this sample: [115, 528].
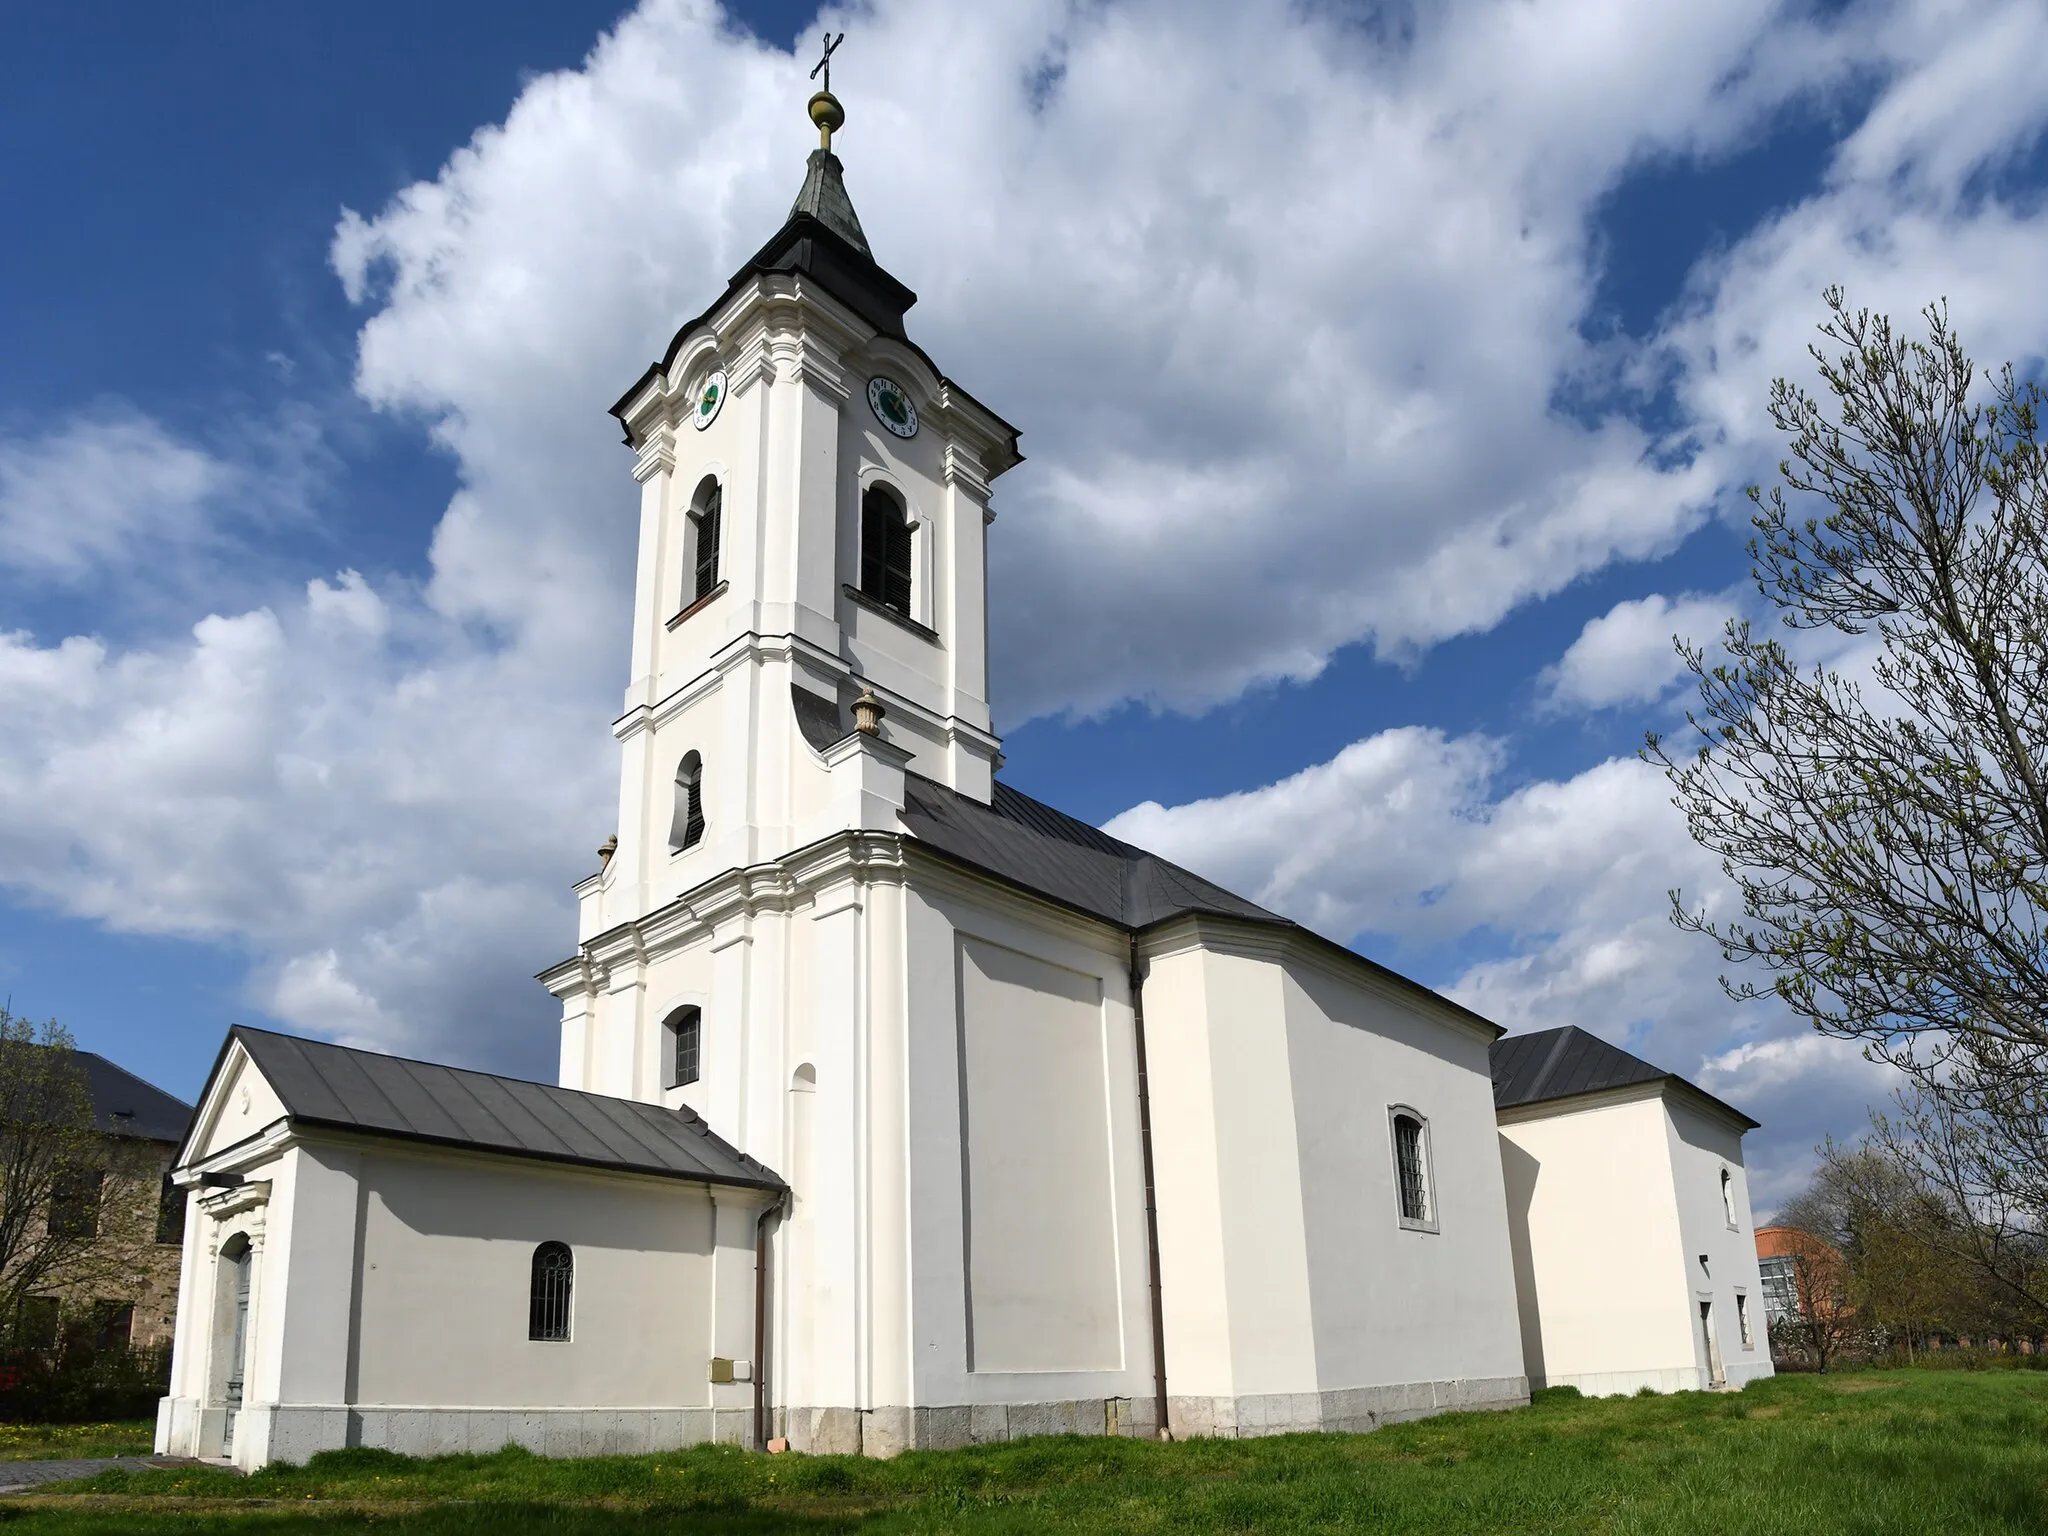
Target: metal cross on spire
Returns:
[825, 109]
[825, 63]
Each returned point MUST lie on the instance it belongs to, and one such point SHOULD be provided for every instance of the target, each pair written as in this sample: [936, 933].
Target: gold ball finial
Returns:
[828, 115]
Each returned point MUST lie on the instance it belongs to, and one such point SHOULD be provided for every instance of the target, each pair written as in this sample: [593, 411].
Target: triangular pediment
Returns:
[239, 1105]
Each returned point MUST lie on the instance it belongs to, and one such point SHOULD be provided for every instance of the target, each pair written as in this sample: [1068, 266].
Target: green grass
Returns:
[1897, 1451]
[50, 1442]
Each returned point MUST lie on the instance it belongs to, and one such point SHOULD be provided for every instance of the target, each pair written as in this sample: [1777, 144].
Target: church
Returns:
[895, 1108]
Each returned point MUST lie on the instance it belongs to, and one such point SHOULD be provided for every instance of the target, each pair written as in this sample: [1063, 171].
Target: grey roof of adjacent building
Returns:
[340, 1088]
[124, 1105]
[1564, 1063]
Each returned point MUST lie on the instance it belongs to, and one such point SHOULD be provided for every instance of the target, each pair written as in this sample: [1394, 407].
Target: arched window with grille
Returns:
[554, 1277]
[686, 827]
[685, 1046]
[885, 550]
[707, 513]
[1417, 1200]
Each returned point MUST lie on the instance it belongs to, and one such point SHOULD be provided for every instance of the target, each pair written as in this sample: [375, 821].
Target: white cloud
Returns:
[1403, 837]
[101, 490]
[1282, 303]
[1626, 655]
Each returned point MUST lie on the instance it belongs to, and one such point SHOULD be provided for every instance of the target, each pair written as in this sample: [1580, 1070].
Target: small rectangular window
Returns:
[39, 1316]
[1742, 1320]
[554, 1275]
[686, 1046]
[1411, 1169]
[113, 1324]
[170, 1212]
[75, 1202]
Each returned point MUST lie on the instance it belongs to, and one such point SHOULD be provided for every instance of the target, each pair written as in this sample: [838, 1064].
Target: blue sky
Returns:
[314, 537]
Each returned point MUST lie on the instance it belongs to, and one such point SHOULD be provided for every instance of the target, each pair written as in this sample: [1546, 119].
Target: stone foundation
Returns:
[887, 1431]
[1349, 1410]
[267, 1432]
[1678, 1378]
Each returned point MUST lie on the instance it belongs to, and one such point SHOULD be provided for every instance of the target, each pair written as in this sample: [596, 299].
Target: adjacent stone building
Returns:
[124, 1285]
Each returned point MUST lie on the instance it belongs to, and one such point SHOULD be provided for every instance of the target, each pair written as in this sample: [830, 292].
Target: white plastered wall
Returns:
[1293, 1299]
[1028, 1287]
[1396, 1304]
[1611, 1200]
[1703, 1145]
[389, 1303]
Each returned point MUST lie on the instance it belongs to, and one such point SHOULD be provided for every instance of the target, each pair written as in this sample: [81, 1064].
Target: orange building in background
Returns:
[1802, 1274]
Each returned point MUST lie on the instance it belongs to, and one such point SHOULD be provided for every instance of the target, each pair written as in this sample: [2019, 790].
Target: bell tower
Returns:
[814, 508]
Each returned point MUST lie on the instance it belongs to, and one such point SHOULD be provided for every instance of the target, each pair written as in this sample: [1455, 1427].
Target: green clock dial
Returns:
[709, 399]
[893, 408]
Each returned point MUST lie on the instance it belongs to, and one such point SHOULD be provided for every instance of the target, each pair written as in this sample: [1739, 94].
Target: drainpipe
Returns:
[761, 1319]
[1151, 1194]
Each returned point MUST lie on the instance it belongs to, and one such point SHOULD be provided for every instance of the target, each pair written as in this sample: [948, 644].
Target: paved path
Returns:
[20, 1476]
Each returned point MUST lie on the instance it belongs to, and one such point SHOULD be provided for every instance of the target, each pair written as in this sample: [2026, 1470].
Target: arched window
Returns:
[685, 1046]
[686, 826]
[1411, 1169]
[706, 516]
[885, 550]
[554, 1275]
[1728, 1196]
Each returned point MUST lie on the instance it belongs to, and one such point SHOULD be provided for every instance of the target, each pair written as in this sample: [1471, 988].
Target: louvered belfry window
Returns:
[707, 520]
[686, 827]
[885, 551]
[554, 1274]
[1409, 1168]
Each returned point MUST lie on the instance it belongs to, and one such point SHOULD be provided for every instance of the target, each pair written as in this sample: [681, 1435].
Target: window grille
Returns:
[170, 1212]
[707, 519]
[554, 1273]
[1781, 1288]
[1409, 1168]
[686, 829]
[686, 1029]
[75, 1201]
[885, 551]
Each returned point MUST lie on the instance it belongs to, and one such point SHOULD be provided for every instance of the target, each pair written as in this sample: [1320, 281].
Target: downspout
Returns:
[1151, 1194]
[761, 1319]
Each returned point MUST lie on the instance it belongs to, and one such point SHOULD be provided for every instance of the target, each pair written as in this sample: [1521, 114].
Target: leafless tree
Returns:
[1891, 851]
[53, 1162]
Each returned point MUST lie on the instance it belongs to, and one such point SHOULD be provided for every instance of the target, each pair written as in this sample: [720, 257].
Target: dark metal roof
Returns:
[1028, 843]
[124, 1105]
[817, 717]
[822, 239]
[823, 197]
[1563, 1063]
[376, 1095]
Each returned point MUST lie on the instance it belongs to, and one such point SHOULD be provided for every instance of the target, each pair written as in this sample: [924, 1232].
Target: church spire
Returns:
[823, 196]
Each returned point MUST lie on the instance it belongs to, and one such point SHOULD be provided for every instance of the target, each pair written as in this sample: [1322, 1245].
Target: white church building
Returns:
[896, 1108]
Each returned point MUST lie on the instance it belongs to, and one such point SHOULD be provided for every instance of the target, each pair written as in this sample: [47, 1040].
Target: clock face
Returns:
[892, 407]
[709, 399]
